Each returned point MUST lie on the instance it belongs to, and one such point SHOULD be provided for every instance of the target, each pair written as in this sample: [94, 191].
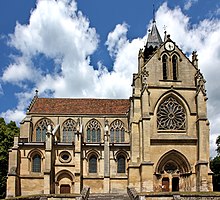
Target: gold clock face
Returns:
[169, 46]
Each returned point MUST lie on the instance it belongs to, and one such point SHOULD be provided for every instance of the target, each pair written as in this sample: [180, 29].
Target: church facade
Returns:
[158, 140]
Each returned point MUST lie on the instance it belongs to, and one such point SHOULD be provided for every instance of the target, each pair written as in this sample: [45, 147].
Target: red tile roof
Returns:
[79, 106]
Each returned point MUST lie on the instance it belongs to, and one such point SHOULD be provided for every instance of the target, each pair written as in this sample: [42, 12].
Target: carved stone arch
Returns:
[163, 53]
[91, 153]
[33, 152]
[63, 173]
[48, 121]
[123, 153]
[177, 54]
[175, 95]
[64, 181]
[175, 158]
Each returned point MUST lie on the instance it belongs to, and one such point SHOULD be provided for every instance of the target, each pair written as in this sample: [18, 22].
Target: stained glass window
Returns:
[69, 127]
[41, 130]
[171, 115]
[117, 131]
[93, 131]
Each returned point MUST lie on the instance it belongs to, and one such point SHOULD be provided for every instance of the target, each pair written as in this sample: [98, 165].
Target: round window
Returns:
[65, 157]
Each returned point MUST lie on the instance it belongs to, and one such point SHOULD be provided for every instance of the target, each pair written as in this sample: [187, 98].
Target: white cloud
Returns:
[188, 4]
[117, 39]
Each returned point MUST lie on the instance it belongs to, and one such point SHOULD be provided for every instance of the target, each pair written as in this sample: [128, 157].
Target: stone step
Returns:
[108, 197]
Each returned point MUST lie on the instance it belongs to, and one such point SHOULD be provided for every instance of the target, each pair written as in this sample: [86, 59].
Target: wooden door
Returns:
[165, 185]
[64, 189]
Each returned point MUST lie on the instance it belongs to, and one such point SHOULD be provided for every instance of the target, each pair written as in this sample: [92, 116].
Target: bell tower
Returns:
[168, 120]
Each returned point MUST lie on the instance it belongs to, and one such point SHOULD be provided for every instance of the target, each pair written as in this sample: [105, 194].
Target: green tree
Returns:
[215, 167]
[7, 133]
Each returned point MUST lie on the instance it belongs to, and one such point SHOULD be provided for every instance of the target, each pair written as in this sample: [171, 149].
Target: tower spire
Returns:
[154, 14]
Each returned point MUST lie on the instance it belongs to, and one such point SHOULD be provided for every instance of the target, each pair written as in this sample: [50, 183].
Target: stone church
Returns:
[157, 140]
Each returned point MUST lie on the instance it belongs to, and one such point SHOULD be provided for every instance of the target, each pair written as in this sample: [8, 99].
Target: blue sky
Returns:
[89, 48]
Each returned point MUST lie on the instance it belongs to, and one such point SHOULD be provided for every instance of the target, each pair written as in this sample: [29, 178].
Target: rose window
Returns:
[171, 115]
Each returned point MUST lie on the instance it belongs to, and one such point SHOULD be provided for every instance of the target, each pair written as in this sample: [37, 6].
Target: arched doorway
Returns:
[171, 168]
[64, 182]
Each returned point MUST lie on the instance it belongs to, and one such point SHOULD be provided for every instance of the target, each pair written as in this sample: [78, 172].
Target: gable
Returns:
[182, 75]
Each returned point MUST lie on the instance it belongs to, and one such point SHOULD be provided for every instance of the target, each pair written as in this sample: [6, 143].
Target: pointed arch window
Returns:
[93, 131]
[117, 131]
[69, 128]
[165, 65]
[41, 130]
[93, 164]
[120, 164]
[36, 163]
[171, 115]
[174, 65]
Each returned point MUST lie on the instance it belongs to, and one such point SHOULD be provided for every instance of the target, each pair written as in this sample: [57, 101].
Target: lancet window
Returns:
[41, 130]
[69, 128]
[171, 115]
[93, 164]
[121, 164]
[165, 66]
[93, 131]
[117, 131]
[174, 64]
[36, 163]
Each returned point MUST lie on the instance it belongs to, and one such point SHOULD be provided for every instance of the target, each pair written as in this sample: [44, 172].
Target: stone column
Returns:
[78, 160]
[48, 161]
[106, 159]
[13, 186]
[202, 167]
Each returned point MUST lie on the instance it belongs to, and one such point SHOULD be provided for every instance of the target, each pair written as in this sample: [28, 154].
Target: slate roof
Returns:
[79, 106]
[154, 38]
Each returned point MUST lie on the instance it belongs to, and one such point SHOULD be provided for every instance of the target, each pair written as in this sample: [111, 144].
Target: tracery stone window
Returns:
[170, 167]
[117, 131]
[171, 115]
[93, 131]
[36, 163]
[41, 130]
[69, 127]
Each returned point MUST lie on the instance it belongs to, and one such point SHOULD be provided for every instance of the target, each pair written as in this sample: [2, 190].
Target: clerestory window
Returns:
[41, 130]
[117, 132]
[93, 131]
[69, 128]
